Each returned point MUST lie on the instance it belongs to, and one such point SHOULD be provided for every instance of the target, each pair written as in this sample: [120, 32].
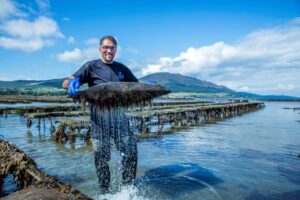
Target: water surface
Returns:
[253, 156]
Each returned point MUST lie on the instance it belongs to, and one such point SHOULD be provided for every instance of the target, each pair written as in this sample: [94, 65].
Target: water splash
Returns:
[126, 193]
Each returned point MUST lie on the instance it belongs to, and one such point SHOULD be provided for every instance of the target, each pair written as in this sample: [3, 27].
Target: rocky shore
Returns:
[30, 183]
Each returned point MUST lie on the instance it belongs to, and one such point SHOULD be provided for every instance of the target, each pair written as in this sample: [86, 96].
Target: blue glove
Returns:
[73, 85]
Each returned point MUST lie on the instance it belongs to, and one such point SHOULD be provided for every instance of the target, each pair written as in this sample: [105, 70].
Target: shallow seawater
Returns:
[252, 156]
[31, 104]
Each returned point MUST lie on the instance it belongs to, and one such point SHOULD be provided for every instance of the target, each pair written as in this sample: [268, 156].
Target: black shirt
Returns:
[96, 72]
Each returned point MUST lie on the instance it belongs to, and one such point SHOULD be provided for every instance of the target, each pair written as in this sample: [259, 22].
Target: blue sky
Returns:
[251, 46]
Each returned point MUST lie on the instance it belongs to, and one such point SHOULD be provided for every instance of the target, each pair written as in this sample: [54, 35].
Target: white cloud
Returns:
[70, 56]
[8, 8]
[24, 45]
[286, 86]
[78, 56]
[263, 59]
[21, 33]
[40, 27]
[43, 5]
[29, 35]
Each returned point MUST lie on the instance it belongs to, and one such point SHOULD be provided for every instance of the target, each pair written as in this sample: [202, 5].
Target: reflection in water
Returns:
[73, 148]
[29, 136]
[178, 180]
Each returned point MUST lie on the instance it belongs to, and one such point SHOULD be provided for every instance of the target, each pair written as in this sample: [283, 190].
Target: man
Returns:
[96, 72]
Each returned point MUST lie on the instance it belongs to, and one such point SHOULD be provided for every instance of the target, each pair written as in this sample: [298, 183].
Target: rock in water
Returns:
[122, 94]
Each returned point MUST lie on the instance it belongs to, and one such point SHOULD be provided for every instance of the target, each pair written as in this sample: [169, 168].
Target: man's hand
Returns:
[66, 81]
[73, 84]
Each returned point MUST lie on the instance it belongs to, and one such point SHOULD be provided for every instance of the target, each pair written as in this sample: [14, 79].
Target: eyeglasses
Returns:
[106, 48]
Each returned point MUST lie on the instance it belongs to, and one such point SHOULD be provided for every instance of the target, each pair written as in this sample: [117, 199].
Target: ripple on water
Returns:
[258, 195]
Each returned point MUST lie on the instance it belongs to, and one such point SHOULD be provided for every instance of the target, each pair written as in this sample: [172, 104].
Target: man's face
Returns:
[107, 51]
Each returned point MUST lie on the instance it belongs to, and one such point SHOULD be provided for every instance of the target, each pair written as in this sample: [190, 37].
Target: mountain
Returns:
[181, 83]
[266, 97]
[175, 82]
[32, 87]
[53, 83]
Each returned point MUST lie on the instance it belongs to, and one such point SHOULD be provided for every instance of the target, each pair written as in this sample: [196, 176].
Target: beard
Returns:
[108, 58]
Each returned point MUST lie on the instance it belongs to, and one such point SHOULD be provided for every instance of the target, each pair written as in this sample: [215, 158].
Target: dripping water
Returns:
[111, 131]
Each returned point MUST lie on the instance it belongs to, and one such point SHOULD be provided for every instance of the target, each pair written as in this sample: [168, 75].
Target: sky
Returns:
[249, 45]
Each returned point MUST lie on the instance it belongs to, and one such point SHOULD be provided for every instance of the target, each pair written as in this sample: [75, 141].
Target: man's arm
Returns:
[82, 73]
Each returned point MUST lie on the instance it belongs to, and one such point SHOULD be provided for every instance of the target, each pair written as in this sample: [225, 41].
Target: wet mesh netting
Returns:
[109, 122]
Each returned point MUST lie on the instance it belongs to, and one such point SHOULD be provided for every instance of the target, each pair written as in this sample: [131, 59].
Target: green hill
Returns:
[32, 87]
[53, 83]
[181, 83]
